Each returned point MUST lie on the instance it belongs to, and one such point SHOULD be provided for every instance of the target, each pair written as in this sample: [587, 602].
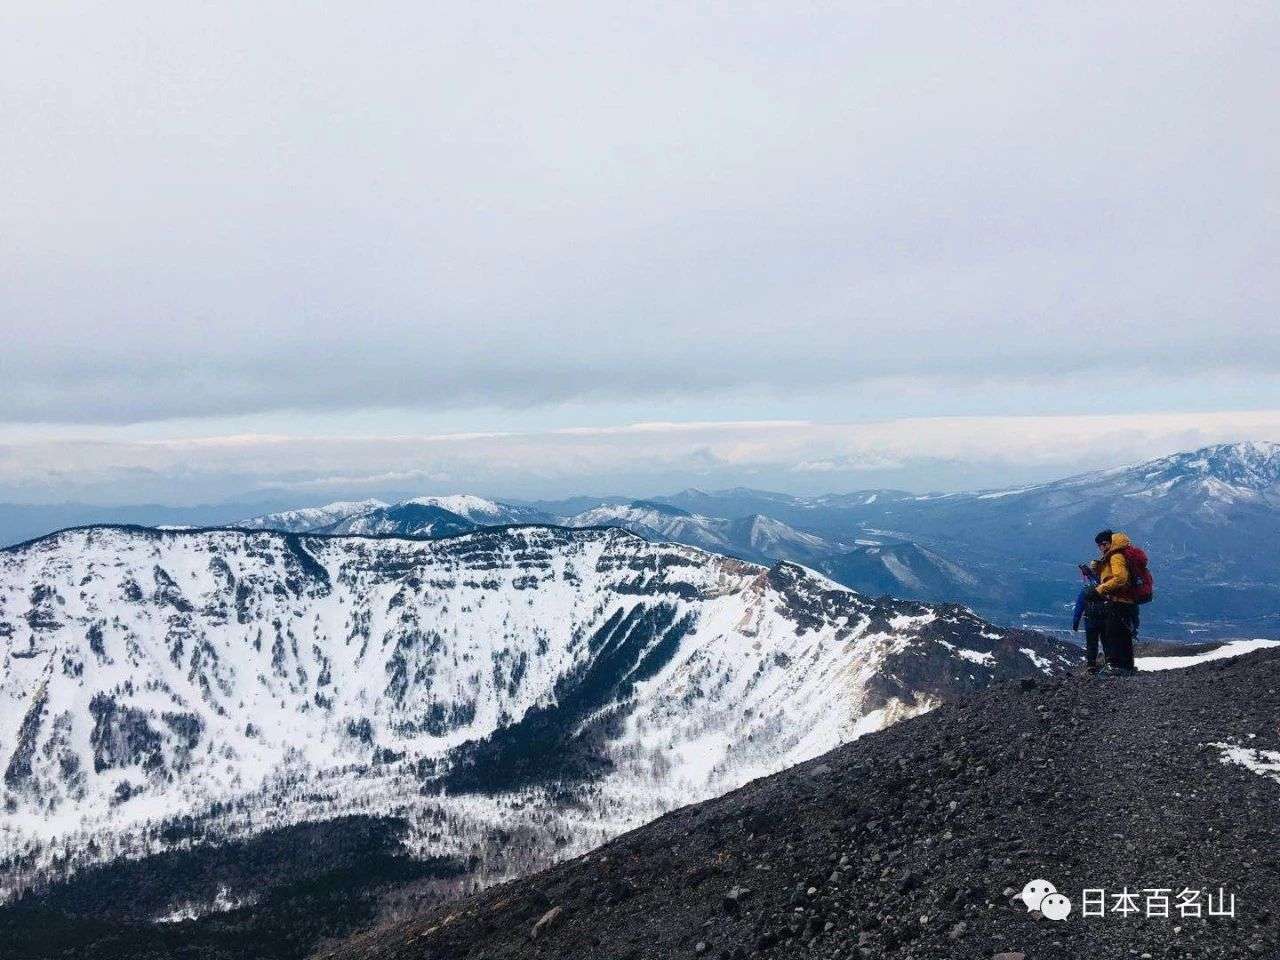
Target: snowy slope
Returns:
[655, 521]
[767, 537]
[1196, 481]
[480, 511]
[309, 519]
[755, 537]
[410, 518]
[249, 679]
[418, 516]
[902, 569]
[1226, 472]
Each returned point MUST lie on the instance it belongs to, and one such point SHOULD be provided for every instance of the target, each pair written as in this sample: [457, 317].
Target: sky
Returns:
[562, 248]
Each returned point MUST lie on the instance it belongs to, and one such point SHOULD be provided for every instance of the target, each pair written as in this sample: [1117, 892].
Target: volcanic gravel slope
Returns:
[911, 843]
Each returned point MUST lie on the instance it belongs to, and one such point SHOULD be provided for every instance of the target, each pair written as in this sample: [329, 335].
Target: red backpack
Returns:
[1142, 585]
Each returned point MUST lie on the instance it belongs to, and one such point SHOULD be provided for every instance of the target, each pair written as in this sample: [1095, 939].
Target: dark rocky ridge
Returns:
[910, 843]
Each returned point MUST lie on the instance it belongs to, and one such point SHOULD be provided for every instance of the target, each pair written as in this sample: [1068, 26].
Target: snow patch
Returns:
[907, 621]
[876, 720]
[223, 902]
[1232, 649]
[1041, 663]
[1265, 763]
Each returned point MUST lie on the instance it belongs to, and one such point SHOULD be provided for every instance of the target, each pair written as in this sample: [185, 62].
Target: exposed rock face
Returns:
[238, 680]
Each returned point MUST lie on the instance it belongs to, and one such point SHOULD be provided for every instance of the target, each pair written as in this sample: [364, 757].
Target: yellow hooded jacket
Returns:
[1115, 571]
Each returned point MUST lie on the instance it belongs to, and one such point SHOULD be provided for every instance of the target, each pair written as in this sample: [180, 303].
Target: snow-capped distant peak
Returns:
[1225, 473]
[1252, 465]
[657, 516]
[476, 509]
[1220, 474]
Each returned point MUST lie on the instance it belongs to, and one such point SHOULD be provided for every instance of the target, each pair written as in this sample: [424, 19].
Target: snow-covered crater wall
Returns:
[204, 677]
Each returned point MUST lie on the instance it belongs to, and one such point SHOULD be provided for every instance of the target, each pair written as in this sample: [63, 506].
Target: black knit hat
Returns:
[1103, 537]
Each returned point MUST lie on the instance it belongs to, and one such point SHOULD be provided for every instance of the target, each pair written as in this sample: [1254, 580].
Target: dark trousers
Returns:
[1118, 632]
[1092, 635]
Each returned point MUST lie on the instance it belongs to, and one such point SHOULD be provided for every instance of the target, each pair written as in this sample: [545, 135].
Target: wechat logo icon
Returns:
[1044, 896]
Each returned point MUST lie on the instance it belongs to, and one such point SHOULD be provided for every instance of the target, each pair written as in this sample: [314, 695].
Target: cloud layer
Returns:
[638, 459]
[246, 208]
[252, 219]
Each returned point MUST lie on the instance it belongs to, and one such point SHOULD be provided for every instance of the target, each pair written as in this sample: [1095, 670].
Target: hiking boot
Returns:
[1110, 671]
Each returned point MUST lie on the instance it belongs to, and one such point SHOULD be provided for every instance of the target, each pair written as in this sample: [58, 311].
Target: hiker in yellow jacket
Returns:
[1115, 588]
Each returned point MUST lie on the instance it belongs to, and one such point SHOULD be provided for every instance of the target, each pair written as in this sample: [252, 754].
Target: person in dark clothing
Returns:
[1093, 610]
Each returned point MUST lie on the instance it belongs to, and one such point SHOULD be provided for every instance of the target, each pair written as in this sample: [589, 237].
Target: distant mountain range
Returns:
[754, 537]
[1209, 519]
[281, 722]
[312, 519]
[417, 517]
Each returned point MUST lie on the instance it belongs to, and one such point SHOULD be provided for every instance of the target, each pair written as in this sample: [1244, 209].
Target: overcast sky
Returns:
[548, 248]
